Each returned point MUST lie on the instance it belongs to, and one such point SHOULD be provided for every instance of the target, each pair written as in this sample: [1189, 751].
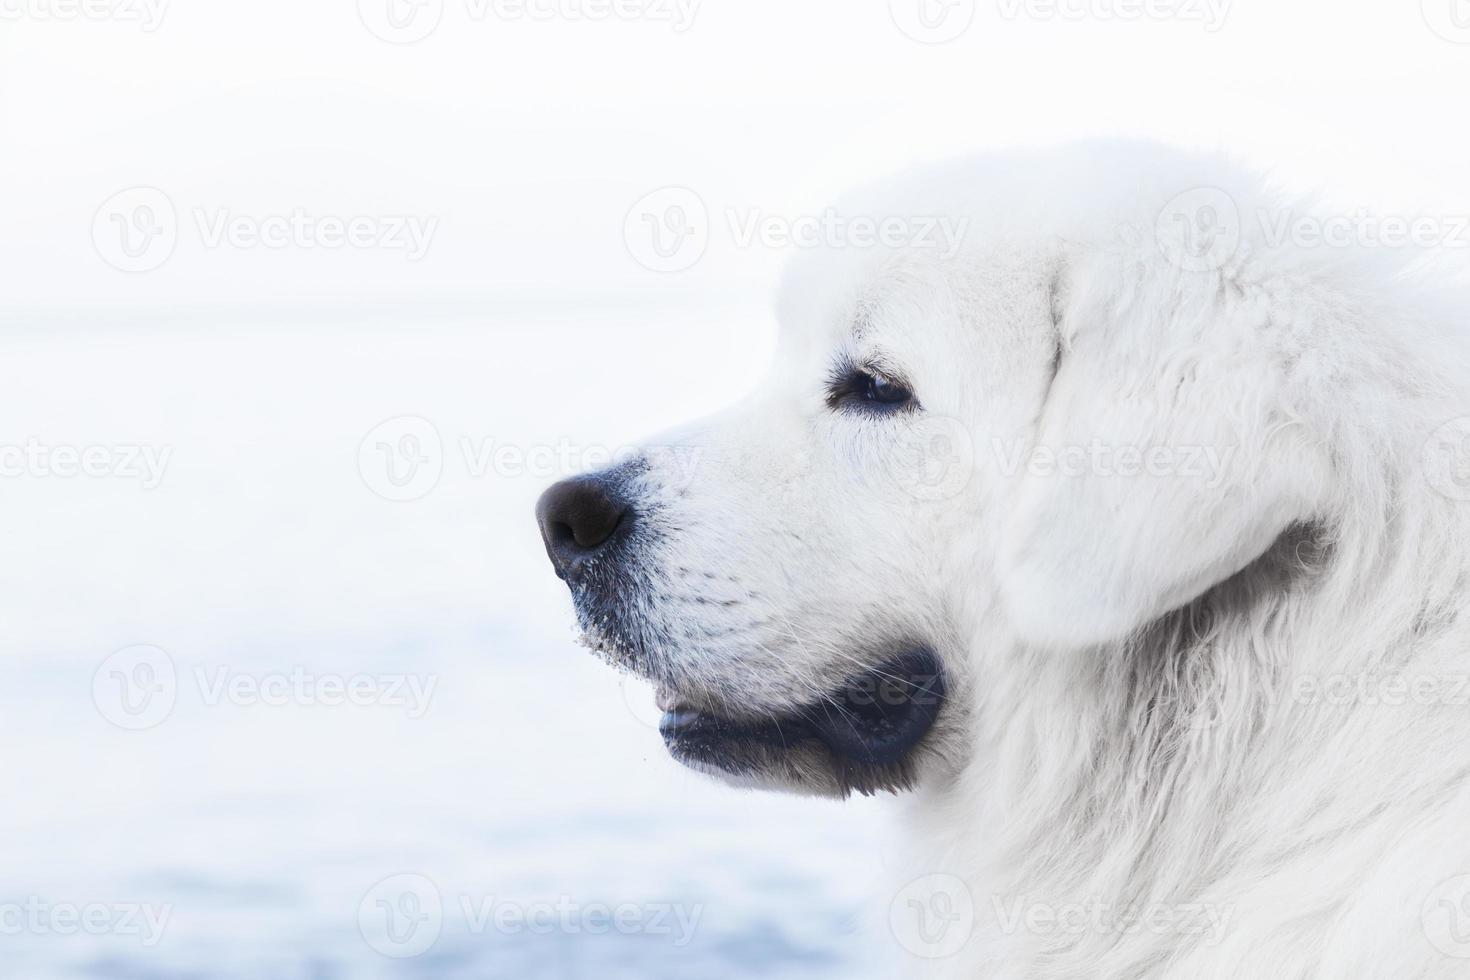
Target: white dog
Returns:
[1130, 531]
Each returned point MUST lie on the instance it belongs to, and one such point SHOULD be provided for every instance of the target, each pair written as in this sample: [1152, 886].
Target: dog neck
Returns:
[1225, 741]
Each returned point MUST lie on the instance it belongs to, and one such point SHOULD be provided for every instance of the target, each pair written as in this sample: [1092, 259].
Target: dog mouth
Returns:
[864, 735]
[868, 727]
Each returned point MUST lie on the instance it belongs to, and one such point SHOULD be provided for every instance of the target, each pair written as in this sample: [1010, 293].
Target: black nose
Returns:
[578, 517]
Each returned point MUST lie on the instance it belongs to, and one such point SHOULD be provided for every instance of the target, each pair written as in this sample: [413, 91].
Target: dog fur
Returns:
[1131, 656]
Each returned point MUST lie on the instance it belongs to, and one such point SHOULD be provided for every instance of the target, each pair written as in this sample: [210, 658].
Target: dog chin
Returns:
[864, 736]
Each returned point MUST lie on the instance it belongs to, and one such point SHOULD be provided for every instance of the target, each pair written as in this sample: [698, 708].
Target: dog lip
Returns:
[686, 728]
[678, 720]
[864, 724]
[685, 722]
[883, 714]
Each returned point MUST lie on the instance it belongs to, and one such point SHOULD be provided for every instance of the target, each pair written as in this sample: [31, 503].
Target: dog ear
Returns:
[1169, 454]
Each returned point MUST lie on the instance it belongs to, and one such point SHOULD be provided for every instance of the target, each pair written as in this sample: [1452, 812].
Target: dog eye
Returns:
[877, 388]
[869, 390]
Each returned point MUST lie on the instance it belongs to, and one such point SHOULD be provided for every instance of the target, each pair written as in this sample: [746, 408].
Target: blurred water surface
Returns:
[506, 808]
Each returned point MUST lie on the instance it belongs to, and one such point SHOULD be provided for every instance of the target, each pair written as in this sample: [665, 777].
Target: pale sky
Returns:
[526, 140]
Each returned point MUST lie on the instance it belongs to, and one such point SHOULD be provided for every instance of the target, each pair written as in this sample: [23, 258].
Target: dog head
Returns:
[1047, 435]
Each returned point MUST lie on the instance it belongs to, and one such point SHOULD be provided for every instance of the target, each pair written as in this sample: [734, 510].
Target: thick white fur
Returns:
[1123, 651]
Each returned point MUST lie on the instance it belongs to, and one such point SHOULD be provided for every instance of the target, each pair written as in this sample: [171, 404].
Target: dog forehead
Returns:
[846, 298]
[918, 310]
